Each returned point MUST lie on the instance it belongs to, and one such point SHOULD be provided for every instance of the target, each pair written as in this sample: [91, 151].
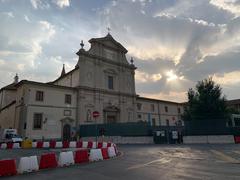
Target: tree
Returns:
[206, 102]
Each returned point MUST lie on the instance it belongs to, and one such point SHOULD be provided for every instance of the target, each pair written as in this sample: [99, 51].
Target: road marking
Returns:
[162, 161]
[225, 157]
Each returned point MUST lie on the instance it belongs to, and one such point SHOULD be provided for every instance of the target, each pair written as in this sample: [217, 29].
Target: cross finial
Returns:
[108, 29]
[81, 44]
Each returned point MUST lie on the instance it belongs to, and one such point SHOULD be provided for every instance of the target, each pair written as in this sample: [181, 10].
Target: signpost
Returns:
[95, 114]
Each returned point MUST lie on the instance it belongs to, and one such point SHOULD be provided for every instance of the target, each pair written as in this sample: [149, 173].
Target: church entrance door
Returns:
[111, 114]
[66, 132]
[111, 119]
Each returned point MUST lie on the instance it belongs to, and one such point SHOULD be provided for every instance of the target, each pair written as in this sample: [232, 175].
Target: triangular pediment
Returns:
[110, 42]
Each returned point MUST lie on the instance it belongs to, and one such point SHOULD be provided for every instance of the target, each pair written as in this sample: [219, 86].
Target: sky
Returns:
[174, 43]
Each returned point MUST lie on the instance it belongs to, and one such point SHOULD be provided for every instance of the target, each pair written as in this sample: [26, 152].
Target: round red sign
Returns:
[95, 114]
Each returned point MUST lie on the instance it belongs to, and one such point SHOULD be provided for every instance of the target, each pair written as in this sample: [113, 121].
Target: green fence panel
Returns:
[116, 129]
[123, 129]
[209, 127]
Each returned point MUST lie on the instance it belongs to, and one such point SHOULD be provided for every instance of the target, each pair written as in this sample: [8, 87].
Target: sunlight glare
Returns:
[171, 76]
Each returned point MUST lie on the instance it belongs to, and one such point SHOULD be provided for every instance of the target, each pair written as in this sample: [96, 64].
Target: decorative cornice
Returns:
[105, 91]
[106, 60]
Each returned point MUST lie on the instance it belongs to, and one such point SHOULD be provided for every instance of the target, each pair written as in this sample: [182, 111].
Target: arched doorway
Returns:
[66, 132]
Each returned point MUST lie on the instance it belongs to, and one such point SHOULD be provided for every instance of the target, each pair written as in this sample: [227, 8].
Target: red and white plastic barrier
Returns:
[104, 145]
[28, 164]
[66, 159]
[9, 145]
[111, 152]
[46, 145]
[99, 145]
[39, 144]
[52, 144]
[60, 144]
[34, 144]
[85, 144]
[81, 156]
[79, 144]
[95, 155]
[105, 153]
[8, 167]
[65, 144]
[73, 144]
[49, 160]
[4, 146]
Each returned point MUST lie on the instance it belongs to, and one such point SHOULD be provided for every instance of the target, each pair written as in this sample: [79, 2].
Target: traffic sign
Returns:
[95, 114]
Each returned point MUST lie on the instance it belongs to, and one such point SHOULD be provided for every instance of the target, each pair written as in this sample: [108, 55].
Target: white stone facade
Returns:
[103, 80]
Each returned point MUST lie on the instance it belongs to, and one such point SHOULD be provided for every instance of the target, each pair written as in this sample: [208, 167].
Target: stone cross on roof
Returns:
[108, 28]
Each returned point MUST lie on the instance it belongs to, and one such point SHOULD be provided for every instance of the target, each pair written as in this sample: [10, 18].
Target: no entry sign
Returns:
[95, 114]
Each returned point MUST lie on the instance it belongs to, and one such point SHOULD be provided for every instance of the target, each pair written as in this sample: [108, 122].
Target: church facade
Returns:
[102, 80]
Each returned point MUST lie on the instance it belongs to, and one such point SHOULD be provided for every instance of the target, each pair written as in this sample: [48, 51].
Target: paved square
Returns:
[149, 162]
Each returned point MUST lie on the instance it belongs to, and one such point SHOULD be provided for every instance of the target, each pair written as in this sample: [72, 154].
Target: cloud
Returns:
[8, 14]
[20, 52]
[26, 18]
[145, 77]
[40, 4]
[171, 96]
[232, 6]
[197, 38]
[62, 3]
[227, 79]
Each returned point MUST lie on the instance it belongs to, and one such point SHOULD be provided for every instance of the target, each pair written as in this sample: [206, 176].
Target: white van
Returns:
[9, 135]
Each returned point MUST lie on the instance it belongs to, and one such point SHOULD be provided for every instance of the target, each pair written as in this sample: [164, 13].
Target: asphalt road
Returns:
[145, 162]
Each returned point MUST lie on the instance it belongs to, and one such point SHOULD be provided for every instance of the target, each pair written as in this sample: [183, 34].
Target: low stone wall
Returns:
[124, 139]
[218, 139]
[195, 139]
[222, 139]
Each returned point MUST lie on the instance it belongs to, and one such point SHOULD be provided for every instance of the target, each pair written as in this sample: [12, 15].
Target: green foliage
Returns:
[206, 102]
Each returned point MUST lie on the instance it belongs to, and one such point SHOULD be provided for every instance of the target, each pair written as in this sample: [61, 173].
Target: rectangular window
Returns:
[179, 110]
[110, 82]
[139, 106]
[67, 112]
[166, 109]
[68, 99]
[167, 122]
[37, 121]
[152, 107]
[139, 116]
[39, 95]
